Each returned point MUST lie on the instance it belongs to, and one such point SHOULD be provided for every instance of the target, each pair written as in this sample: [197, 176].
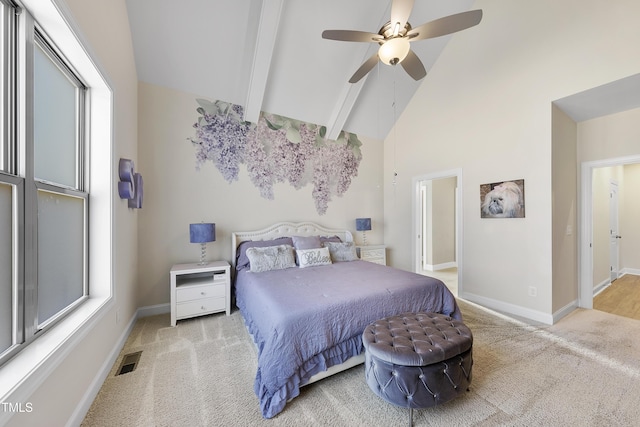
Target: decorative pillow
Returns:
[341, 251]
[271, 258]
[312, 257]
[242, 261]
[324, 239]
[306, 242]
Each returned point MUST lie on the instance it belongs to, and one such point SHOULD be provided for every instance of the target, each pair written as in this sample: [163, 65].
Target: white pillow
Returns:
[312, 257]
[270, 258]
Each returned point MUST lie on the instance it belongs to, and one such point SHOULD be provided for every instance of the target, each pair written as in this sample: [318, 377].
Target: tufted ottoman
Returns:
[418, 360]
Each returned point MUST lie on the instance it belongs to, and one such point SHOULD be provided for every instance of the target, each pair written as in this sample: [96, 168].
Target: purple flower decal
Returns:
[277, 149]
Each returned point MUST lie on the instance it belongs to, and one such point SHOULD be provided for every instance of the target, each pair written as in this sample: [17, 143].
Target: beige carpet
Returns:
[583, 371]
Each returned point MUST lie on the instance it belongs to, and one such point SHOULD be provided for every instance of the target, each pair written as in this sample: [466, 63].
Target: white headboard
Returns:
[285, 229]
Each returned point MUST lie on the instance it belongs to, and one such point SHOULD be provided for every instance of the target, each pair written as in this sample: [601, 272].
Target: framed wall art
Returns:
[502, 199]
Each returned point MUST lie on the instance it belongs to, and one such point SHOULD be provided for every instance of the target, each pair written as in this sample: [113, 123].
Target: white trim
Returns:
[634, 271]
[585, 260]
[601, 286]
[415, 250]
[443, 266]
[567, 309]
[85, 403]
[512, 309]
[154, 310]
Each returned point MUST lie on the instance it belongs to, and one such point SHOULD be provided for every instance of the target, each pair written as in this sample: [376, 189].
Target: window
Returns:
[44, 202]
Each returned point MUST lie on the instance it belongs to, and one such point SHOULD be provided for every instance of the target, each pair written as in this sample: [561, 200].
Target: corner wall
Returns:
[564, 210]
[485, 107]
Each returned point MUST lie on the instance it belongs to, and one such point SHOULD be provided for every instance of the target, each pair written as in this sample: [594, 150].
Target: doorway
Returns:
[436, 227]
[595, 240]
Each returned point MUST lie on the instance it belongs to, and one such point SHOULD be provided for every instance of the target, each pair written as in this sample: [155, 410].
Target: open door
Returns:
[614, 232]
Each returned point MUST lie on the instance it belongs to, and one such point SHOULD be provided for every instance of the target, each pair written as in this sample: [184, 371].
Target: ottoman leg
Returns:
[410, 416]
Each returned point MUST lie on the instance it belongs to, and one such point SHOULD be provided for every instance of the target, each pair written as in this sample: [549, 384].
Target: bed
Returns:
[307, 317]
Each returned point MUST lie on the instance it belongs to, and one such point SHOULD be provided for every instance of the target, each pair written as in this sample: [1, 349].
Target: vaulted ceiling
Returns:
[269, 56]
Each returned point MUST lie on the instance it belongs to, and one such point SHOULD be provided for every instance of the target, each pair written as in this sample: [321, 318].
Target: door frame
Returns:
[585, 239]
[416, 223]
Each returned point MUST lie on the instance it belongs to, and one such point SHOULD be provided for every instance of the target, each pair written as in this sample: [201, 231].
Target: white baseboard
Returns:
[152, 310]
[515, 310]
[634, 271]
[91, 393]
[601, 286]
[442, 266]
[85, 404]
[565, 310]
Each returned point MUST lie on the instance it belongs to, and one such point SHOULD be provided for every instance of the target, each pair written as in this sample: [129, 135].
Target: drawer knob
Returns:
[203, 293]
[202, 308]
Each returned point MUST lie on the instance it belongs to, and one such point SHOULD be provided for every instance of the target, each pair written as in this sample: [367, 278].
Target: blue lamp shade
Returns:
[363, 224]
[202, 232]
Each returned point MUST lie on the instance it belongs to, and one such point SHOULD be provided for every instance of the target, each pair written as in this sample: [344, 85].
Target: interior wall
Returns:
[629, 225]
[485, 107]
[613, 136]
[176, 194]
[104, 26]
[564, 201]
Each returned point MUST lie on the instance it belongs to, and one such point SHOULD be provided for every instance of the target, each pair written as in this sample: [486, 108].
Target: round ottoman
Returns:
[418, 360]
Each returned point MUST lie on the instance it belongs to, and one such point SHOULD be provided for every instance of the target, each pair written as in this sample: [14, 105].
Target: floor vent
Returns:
[129, 363]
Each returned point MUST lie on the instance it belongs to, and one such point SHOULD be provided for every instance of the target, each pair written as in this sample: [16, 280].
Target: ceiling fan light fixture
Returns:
[393, 51]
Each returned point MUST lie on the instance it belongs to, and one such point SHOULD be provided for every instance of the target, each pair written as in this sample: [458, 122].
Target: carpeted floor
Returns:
[583, 371]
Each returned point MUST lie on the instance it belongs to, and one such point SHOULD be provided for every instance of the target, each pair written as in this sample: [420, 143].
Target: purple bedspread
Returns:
[305, 320]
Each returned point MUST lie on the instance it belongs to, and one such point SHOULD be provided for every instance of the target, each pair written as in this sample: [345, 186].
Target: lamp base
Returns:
[203, 254]
[364, 238]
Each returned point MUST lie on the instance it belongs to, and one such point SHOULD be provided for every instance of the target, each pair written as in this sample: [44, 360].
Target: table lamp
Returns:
[202, 233]
[364, 225]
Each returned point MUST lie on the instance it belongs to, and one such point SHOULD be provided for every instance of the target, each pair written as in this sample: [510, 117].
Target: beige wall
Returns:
[176, 194]
[564, 173]
[629, 220]
[104, 26]
[607, 138]
[486, 108]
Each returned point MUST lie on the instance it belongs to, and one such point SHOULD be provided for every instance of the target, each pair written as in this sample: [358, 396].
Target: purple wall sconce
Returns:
[130, 186]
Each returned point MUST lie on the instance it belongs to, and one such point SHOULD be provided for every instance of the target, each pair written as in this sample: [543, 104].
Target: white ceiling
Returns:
[269, 56]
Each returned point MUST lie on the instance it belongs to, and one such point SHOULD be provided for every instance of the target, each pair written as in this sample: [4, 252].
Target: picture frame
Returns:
[504, 199]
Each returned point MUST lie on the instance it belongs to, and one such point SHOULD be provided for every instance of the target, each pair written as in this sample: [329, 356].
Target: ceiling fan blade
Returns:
[364, 68]
[413, 66]
[447, 25]
[400, 11]
[351, 36]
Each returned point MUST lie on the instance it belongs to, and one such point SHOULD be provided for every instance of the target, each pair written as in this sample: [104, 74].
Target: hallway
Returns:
[621, 298]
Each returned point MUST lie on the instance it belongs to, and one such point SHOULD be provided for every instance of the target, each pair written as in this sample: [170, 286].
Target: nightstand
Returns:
[197, 290]
[373, 253]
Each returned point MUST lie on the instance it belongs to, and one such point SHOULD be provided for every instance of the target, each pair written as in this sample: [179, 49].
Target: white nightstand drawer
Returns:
[372, 253]
[200, 306]
[199, 292]
[220, 279]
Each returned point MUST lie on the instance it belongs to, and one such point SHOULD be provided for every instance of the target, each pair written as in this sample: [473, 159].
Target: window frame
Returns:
[18, 170]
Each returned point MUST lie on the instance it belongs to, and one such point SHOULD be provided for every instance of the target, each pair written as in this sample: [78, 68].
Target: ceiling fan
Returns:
[395, 35]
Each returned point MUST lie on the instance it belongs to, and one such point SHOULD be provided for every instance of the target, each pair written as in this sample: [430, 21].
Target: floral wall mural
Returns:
[276, 149]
